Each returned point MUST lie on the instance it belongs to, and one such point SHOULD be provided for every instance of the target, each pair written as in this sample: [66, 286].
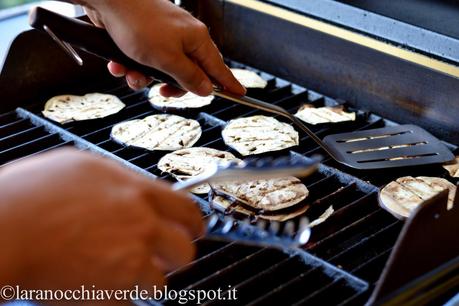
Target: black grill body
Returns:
[340, 64]
[346, 255]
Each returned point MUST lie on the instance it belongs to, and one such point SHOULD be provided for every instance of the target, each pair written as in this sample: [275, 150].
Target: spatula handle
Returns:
[92, 39]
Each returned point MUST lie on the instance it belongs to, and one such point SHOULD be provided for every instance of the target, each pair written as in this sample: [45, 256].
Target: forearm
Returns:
[10, 265]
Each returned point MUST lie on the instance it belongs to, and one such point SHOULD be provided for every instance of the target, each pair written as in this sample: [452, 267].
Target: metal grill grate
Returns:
[357, 238]
[255, 272]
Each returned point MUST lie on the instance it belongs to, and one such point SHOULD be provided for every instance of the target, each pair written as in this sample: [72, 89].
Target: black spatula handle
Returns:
[92, 39]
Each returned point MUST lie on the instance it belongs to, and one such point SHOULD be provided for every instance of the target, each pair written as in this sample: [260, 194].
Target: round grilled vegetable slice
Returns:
[402, 196]
[158, 132]
[187, 163]
[312, 115]
[249, 79]
[68, 108]
[266, 195]
[259, 134]
[453, 168]
[223, 203]
[189, 100]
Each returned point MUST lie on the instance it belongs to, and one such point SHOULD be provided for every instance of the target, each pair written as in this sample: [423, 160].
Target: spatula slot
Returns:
[406, 157]
[372, 137]
[383, 148]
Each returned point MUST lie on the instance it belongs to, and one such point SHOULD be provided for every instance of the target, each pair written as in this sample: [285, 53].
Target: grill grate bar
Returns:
[271, 270]
[292, 285]
[371, 269]
[336, 221]
[330, 241]
[19, 138]
[10, 122]
[49, 148]
[375, 244]
[6, 117]
[213, 263]
[201, 259]
[19, 133]
[28, 148]
[13, 127]
[79, 142]
[321, 297]
[239, 270]
[359, 298]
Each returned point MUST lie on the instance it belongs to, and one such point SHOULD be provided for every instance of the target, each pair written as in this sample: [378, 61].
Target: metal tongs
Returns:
[261, 233]
[251, 169]
[388, 147]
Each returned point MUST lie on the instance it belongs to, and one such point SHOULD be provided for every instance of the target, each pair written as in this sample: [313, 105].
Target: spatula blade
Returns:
[389, 147]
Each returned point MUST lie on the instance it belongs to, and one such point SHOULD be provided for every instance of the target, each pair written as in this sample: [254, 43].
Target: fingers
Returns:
[187, 73]
[116, 69]
[151, 276]
[174, 206]
[211, 61]
[135, 79]
[172, 245]
[171, 91]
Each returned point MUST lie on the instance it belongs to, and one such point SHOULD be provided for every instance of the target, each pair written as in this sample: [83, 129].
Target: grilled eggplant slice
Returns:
[158, 132]
[326, 114]
[266, 195]
[187, 163]
[259, 134]
[187, 101]
[249, 79]
[402, 196]
[67, 108]
[453, 168]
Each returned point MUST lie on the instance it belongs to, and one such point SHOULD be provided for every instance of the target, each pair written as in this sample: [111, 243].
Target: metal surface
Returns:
[18, 137]
[345, 254]
[21, 77]
[388, 85]
[424, 290]
[432, 152]
[351, 36]
[229, 228]
[428, 239]
[256, 169]
[65, 46]
[396, 146]
[387, 27]
[437, 16]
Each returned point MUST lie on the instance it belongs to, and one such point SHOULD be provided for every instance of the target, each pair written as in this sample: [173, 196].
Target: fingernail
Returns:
[118, 74]
[137, 83]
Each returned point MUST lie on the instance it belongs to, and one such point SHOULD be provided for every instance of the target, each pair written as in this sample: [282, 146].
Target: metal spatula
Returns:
[405, 145]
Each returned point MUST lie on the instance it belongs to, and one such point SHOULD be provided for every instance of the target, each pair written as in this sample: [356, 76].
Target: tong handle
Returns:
[91, 39]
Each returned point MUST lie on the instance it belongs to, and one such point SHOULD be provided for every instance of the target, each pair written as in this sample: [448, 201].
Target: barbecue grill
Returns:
[361, 254]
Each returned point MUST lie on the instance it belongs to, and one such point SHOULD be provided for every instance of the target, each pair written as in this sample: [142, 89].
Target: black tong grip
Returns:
[92, 39]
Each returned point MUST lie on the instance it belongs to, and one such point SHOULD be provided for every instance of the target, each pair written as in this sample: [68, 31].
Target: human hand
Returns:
[70, 218]
[159, 34]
